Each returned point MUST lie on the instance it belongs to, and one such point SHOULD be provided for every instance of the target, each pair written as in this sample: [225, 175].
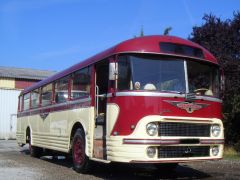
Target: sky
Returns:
[55, 34]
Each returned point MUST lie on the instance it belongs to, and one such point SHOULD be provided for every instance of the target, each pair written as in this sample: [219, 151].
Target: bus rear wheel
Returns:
[34, 151]
[81, 162]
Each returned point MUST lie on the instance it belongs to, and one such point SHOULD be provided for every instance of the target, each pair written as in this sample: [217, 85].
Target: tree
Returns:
[222, 38]
[141, 34]
[167, 31]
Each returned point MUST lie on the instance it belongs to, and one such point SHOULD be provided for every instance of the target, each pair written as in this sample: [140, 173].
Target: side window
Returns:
[124, 74]
[61, 90]
[35, 98]
[47, 95]
[26, 101]
[81, 83]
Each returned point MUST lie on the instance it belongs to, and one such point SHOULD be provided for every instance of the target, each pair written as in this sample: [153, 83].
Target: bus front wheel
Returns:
[81, 162]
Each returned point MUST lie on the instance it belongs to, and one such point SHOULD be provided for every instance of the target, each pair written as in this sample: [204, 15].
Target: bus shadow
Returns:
[129, 171]
[137, 171]
[59, 160]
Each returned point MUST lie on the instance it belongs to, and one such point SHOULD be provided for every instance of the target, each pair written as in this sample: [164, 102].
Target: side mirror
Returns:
[113, 71]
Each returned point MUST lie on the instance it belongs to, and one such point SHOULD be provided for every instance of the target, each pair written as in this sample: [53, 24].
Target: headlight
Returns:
[215, 129]
[215, 150]
[151, 151]
[152, 129]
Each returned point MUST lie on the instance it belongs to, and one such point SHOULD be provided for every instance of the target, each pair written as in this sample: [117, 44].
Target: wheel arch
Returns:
[75, 126]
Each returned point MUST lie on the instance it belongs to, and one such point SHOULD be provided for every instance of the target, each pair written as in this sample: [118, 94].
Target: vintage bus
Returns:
[152, 99]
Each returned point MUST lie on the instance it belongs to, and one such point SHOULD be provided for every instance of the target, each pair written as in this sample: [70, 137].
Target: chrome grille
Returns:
[184, 129]
[183, 151]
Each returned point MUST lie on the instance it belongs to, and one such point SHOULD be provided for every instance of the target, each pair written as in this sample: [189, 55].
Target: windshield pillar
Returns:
[186, 76]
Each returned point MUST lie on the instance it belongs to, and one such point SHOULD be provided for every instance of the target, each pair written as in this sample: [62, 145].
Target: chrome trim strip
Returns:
[161, 94]
[212, 141]
[59, 105]
[149, 94]
[178, 160]
[168, 141]
[151, 141]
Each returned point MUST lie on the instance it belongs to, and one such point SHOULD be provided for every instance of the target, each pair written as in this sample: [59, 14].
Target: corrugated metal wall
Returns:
[8, 111]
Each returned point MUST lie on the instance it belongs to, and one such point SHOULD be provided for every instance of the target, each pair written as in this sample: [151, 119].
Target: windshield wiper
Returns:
[177, 92]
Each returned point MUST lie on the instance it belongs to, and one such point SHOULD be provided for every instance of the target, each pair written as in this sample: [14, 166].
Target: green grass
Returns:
[230, 153]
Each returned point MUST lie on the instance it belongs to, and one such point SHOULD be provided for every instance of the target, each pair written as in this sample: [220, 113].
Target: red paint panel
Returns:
[133, 108]
[22, 84]
[146, 44]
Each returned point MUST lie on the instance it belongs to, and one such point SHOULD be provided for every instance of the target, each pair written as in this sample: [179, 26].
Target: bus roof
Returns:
[145, 44]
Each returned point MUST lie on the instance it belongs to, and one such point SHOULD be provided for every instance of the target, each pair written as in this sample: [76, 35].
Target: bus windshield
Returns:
[203, 79]
[167, 75]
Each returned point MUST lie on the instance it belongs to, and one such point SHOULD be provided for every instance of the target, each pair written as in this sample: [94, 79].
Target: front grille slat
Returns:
[183, 151]
[184, 129]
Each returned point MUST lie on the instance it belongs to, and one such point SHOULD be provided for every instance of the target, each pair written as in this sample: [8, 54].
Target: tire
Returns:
[81, 162]
[166, 166]
[34, 151]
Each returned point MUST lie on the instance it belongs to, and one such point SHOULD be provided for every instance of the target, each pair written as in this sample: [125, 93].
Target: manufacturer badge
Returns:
[188, 150]
[189, 107]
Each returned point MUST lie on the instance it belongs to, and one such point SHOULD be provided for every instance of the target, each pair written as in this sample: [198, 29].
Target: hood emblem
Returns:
[190, 107]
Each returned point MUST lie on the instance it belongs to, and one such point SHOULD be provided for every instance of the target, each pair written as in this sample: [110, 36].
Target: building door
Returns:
[13, 126]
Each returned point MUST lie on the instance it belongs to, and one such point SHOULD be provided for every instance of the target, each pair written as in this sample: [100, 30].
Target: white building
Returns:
[12, 81]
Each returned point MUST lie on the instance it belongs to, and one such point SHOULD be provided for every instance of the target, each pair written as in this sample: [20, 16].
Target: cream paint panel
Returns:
[58, 123]
[7, 83]
[54, 131]
[20, 133]
[140, 130]
[43, 124]
[119, 152]
[112, 115]
[86, 117]
[33, 123]
[43, 137]
[128, 153]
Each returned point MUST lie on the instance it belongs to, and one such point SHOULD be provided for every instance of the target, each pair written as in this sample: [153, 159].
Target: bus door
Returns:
[101, 85]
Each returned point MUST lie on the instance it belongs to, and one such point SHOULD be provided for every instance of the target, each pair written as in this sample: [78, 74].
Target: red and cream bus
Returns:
[152, 99]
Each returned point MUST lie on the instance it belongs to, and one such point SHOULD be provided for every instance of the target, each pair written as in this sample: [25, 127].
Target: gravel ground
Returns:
[15, 163]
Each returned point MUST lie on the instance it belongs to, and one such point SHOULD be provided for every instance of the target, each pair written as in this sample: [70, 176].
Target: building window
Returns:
[47, 95]
[35, 98]
[81, 84]
[26, 101]
[61, 90]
